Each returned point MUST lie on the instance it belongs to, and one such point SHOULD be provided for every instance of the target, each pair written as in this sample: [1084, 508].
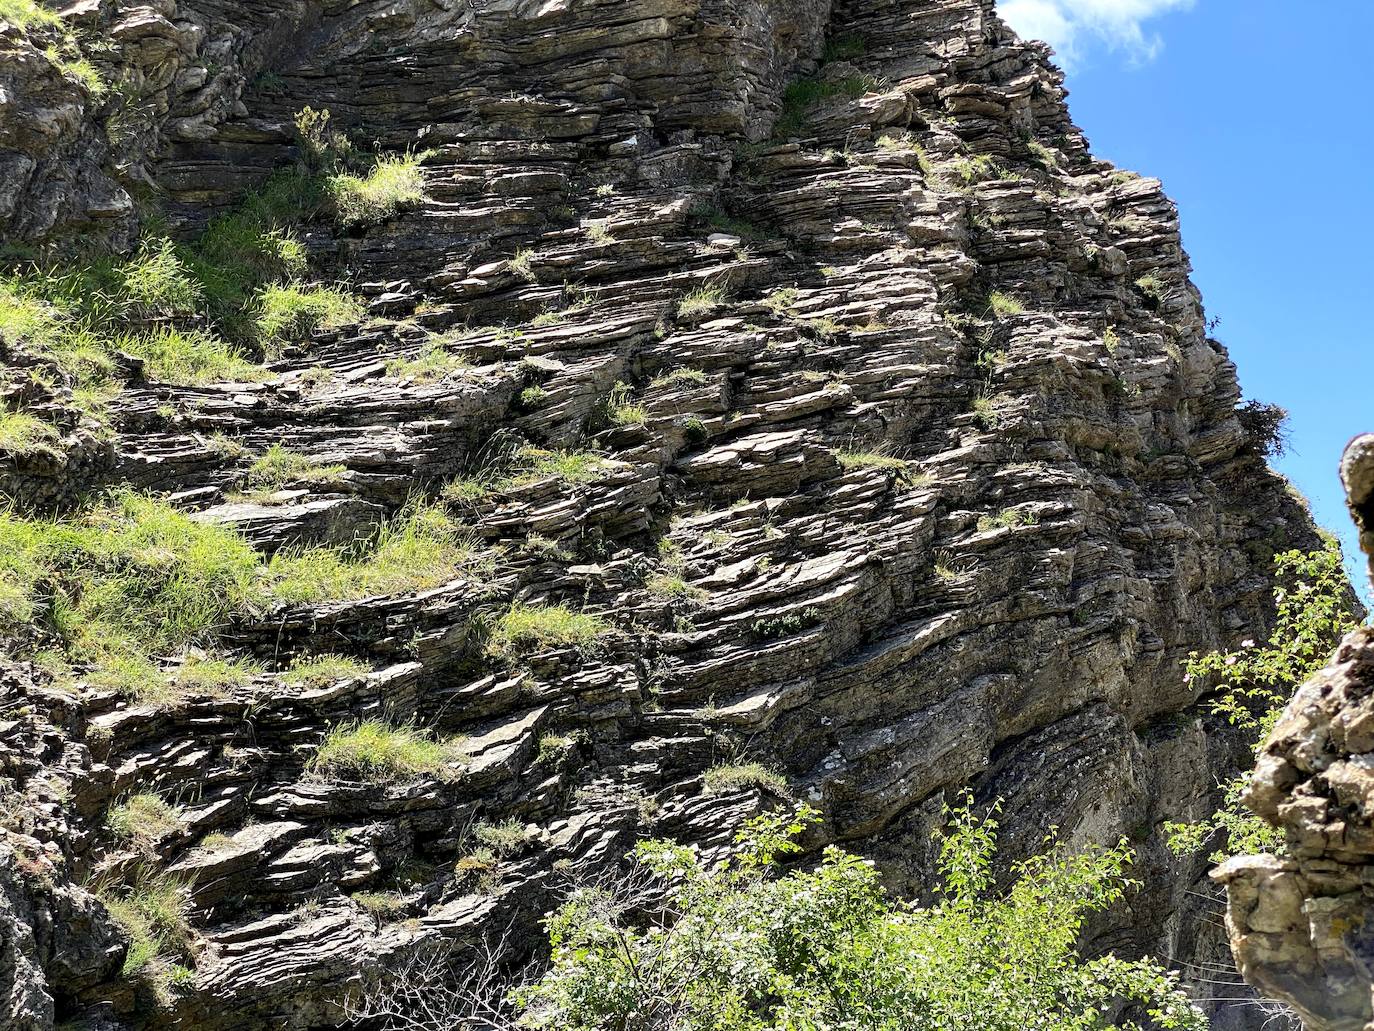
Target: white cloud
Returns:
[1071, 25]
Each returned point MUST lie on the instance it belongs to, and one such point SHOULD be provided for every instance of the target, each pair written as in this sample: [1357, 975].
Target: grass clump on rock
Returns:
[143, 818]
[378, 752]
[394, 183]
[279, 467]
[323, 670]
[22, 434]
[131, 580]
[738, 776]
[152, 913]
[419, 549]
[526, 628]
[290, 312]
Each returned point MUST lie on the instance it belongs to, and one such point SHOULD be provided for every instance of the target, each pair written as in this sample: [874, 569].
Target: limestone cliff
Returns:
[916, 468]
[1299, 924]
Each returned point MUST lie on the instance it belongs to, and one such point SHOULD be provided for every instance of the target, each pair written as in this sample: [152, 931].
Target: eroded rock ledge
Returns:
[1302, 926]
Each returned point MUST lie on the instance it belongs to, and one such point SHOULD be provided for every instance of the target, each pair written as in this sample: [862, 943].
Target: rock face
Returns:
[1299, 925]
[931, 479]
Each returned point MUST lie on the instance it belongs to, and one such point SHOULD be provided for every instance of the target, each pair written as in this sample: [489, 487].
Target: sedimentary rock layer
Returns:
[952, 480]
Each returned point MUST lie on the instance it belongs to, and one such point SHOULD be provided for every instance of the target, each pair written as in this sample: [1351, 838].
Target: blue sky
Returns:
[1257, 116]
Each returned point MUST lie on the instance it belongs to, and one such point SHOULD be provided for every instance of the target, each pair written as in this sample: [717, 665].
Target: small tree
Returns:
[1256, 681]
[736, 946]
[1265, 427]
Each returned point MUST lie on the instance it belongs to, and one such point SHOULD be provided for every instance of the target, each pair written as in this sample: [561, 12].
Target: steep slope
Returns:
[900, 460]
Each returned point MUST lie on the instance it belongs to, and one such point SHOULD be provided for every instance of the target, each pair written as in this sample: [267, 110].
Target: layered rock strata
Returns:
[927, 422]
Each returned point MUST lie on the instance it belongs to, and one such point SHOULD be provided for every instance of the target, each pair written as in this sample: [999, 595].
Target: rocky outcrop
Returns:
[931, 476]
[1299, 923]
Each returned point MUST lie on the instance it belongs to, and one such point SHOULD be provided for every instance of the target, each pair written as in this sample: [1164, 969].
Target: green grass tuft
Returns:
[382, 753]
[396, 182]
[700, 301]
[1002, 305]
[143, 818]
[420, 549]
[323, 670]
[728, 777]
[152, 913]
[22, 434]
[433, 364]
[27, 14]
[280, 467]
[290, 313]
[526, 628]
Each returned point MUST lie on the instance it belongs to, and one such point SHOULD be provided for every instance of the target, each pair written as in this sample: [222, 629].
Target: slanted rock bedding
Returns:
[806, 402]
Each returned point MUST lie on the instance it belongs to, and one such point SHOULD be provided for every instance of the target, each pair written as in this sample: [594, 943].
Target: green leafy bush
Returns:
[737, 945]
[1256, 681]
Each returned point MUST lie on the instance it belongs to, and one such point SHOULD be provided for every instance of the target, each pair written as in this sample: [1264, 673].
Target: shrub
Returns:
[22, 434]
[396, 182]
[786, 625]
[1265, 427]
[525, 628]
[1313, 600]
[143, 818]
[322, 147]
[736, 944]
[727, 777]
[382, 753]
